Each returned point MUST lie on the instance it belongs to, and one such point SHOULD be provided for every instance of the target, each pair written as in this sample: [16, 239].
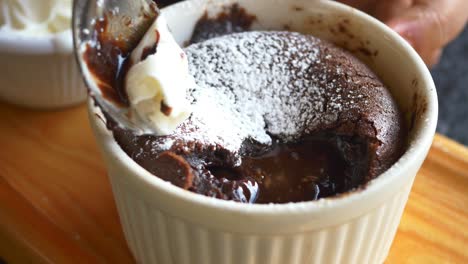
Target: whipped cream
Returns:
[157, 82]
[35, 17]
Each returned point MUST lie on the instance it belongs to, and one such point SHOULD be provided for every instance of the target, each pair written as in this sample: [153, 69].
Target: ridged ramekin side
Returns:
[155, 236]
[41, 80]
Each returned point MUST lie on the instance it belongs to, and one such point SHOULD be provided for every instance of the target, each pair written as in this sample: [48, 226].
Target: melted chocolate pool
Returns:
[301, 171]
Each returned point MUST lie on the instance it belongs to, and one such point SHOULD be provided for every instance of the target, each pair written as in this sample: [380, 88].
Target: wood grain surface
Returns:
[56, 204]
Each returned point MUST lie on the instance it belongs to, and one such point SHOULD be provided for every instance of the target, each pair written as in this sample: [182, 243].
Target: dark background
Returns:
[451, 79]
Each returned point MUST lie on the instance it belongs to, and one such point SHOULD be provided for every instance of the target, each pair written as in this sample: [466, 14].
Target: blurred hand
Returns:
[428, 25]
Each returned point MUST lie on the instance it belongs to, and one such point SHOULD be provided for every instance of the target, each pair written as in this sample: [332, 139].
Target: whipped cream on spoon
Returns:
[157, 78]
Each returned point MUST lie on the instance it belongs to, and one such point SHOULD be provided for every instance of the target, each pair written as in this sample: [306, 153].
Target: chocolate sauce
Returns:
[233, 19]
[164, 3]
[108, 60]
[320, 164]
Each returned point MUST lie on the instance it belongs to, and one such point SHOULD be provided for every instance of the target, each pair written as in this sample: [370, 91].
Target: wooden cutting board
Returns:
[56, 204]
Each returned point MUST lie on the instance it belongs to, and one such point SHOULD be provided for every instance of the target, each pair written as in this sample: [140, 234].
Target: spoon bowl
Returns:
[125, 22]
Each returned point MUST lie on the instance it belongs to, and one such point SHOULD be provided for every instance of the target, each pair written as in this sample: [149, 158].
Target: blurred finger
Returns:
[385, 10]
[430, 25]
[363, 5]
[434, 58]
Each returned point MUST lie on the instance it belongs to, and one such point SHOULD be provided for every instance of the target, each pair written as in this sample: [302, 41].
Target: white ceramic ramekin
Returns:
[39, 71]
[165, 224]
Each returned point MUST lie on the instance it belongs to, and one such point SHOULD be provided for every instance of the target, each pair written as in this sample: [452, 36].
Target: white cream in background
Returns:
[35, 17]
[36, 55]
[162, 77]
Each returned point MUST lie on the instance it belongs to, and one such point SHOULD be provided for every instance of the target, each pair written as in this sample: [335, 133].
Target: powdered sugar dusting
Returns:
[256, 84]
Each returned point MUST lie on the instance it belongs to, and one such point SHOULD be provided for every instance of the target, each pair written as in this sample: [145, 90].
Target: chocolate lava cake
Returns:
[277, 117]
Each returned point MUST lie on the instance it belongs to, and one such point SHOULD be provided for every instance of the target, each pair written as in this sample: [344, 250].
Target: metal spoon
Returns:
[140, 14]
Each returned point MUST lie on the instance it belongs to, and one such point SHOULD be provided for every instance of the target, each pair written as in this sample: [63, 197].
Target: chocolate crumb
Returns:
[147, 51]
[165, 109]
